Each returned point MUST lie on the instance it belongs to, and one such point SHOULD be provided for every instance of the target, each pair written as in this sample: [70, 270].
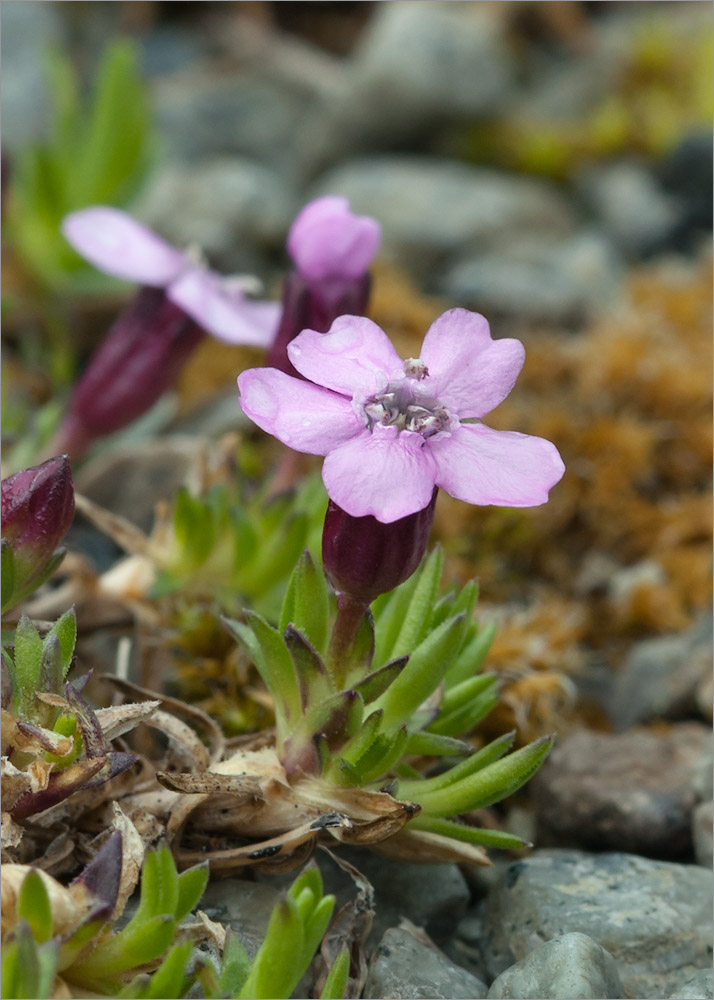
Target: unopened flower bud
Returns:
[332, 250]
[37, 510]
[364, 557]
[140, 358]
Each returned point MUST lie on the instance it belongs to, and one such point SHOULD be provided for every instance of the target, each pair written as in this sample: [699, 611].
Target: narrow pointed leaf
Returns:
[470, 660]
[235, 965]
[489, 785]
[308, 602]
[482, 758]
[336, 982]
[466, 691]
[65, 628]
[33, 905]
[427, 665]
[28, 657]
[463, 719]
[416, 620]
[433, 745]
[191, 885]
[497, 839]
[375, 684]
[314, 681]
[272, 661]
[390, 758]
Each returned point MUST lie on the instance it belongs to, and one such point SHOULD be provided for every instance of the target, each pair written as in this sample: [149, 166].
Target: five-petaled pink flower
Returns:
[391, 430]
[117, 244]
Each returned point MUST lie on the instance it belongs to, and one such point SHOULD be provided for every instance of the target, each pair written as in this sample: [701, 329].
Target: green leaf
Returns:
[336, 982]
[415, 622]
[235, 965]
[481, 837]
[269, 653]
[191, 886]
[28, 970]
[307, 602]
[277, 553]
[393, 754]
[471, 658]
[114, 146]
[375, 684]
[314, 680]
[430, 744]
[7, 574]
[126, 950]
[389, 613]
[65, 628]
[33, 905]
[171, 979]
[466, 692]
[427, 665]
[482, 758]
[51, 674]
[334, 720]
[364, 738]
[490, 784]
[28, 660]
[276, 967]
[463, 718]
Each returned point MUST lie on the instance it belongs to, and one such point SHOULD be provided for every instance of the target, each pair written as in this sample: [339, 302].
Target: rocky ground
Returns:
[529, 162]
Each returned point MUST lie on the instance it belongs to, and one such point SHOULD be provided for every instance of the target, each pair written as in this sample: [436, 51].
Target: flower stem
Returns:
[350, 613]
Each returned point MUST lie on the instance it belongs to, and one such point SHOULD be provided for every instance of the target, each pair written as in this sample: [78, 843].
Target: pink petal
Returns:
[302, 415]
[470, 373]
[355, 357]
[224, 312]
[386, 474]
[119, 245]
[327, 240]
[483, 466]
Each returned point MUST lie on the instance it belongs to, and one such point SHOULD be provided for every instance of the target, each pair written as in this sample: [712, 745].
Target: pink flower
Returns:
[391, 430]
[327, 240]
[117, 244]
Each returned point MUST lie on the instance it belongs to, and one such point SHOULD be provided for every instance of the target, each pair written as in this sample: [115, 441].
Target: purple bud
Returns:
[140, 358]
[364, 557]
[332, 250]
[37, 510]
[314, 306]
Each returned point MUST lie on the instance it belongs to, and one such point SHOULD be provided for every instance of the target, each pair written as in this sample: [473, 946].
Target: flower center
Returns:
[406, 405]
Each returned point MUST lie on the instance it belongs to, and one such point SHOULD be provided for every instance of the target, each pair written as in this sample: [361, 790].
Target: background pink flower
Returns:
[391, 430]
[117, 244]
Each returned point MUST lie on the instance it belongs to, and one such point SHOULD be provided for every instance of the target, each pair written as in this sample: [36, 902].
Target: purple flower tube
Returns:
[37, 510]
[332, 249]
[152, 339]
[364, 557]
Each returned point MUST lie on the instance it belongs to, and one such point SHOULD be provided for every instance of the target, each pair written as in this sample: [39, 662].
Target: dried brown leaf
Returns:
[189, 713]
[349, 928]
[425, 848]
[120, 719]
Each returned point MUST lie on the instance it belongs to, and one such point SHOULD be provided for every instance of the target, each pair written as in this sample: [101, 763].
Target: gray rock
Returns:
[698, 986]
[407, 965]
[661, 677]
[434, 897]
[430, 209]
[231, 208]
[654, 917]
[27, 29]
[632, 791]
[245, 906]
[702, 822]
[571, 967]
[634, 210]
[130, 479]
[202, 111]
[542, 280]
[417, 67]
